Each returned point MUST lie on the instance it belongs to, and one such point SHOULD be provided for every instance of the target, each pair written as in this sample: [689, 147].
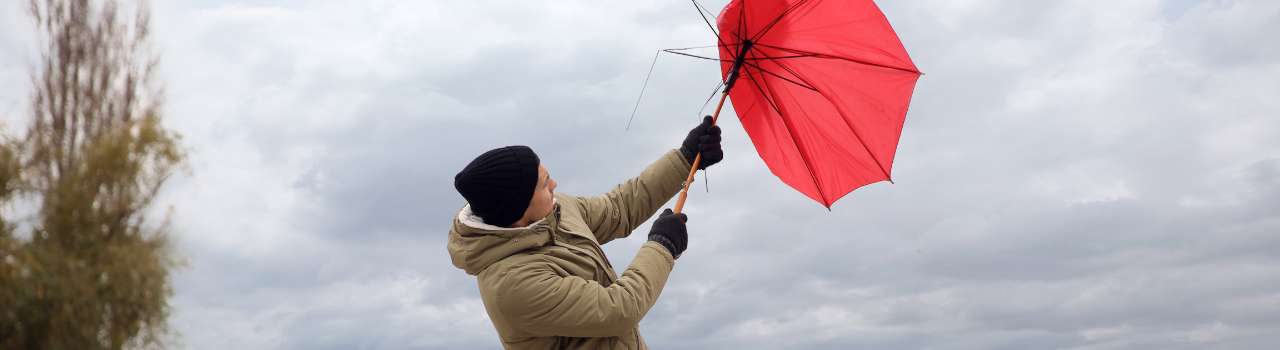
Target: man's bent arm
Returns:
[617, 213]
[544, 303]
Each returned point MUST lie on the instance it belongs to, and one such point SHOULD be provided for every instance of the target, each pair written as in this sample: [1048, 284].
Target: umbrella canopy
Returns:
[822, 89]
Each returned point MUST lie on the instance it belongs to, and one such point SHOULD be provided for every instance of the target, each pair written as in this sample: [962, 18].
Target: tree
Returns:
[84, 269]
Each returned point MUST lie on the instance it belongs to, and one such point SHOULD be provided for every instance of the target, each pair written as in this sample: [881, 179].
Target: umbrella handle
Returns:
[697, 160]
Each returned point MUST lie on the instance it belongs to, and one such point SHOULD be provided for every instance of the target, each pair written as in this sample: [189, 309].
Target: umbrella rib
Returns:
[766, 58]
[846, 121]
[771, 58]
[699, 47]
[786, 122]
[819, 55]
[708, 102]
[853, 130]
[803, 85]
[694, 56]
[764, 94]
[775, 21]
[806, 82]
[704, 19]
[793, 73]
[719, 41]
[861, 141]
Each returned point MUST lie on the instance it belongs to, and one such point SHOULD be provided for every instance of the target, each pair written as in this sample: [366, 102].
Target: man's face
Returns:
[543, 200]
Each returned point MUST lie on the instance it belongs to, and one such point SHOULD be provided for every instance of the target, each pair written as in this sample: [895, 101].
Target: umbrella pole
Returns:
[734, 73]
[697, 160]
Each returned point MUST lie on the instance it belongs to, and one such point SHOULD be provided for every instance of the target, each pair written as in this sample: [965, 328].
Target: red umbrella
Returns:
[821, 87]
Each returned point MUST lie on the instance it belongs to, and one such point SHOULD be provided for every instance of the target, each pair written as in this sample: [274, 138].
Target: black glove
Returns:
[669, 231]
[704, 138]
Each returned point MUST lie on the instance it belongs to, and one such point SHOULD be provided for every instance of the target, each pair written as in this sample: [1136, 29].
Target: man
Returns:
[536, 255]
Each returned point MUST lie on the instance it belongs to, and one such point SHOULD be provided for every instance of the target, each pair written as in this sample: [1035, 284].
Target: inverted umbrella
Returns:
[821, 87]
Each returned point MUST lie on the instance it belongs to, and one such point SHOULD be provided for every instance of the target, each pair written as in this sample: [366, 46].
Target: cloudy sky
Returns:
[1072, 175]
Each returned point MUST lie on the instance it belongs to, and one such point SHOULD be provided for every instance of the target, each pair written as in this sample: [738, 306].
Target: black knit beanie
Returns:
[499, 184]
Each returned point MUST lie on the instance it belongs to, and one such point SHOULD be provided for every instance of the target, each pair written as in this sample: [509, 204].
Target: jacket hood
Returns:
[474, 245]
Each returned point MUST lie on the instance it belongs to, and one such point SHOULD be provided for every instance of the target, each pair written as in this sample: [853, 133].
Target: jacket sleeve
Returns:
[615, 214]
[542, 302]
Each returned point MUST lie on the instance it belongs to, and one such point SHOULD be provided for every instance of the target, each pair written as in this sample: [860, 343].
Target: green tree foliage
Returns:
[83, 268]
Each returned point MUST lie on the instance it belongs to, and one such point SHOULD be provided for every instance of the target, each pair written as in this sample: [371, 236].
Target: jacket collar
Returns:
[474, 245]
[470, 219]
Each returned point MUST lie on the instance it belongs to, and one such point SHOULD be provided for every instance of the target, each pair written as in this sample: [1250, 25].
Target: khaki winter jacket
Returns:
[549, 286]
